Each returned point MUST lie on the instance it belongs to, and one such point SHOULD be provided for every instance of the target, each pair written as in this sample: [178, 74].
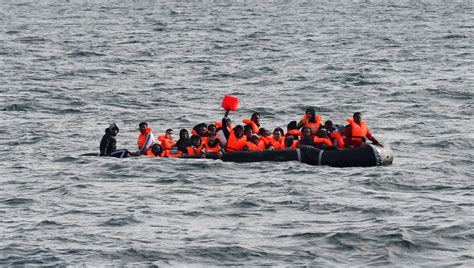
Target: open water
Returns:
[69, 68]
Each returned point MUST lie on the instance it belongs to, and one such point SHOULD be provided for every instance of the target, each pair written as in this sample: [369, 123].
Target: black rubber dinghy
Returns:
[367, 156]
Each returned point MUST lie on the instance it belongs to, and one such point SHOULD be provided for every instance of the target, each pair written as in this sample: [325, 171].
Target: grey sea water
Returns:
[69, 68]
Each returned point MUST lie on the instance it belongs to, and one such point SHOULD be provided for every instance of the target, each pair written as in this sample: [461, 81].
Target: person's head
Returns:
[262, 132]
[183, 134]
[202, 129]
[212, 139]
[357, 117]
[255, 118]
[322, 133]
[248, 131]
[254, 139]
[229, 122]
[328, 125]
[238, 131]
[310, 112]
[114, 129]
[169, 133]
[291, 126]
[211, 128]
[277, 133]
[196, 140]
[142, 127]
[156, 149]
[289, 141]
[306, 131]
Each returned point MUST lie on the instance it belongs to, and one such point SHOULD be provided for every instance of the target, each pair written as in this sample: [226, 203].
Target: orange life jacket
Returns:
[255, 128]
[142, 142]
[234, 144]
[294, 145]
[265, 140]
[277, 144]
[193, 151]
[166, 143]
[260, 146]
[172, 152]
[313, 126]
[358, 131]
[294, 132]
[336, 136]
[326, 141]
[210, 149]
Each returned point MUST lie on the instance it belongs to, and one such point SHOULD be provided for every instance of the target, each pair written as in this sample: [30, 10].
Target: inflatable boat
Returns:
[367, 156]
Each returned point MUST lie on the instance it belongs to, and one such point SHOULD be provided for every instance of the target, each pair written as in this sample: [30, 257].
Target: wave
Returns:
[81, 53]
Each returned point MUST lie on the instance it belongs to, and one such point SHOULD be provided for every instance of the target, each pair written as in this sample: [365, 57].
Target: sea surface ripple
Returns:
[69, 68]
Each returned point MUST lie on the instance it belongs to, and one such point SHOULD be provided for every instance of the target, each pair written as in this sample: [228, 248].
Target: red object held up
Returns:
[230, 103]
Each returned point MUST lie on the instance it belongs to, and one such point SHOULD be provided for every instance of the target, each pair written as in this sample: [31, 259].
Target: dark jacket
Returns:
[183, 144]
[108, 144]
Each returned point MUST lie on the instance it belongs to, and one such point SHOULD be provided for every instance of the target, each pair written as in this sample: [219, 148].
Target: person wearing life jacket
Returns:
[334, 134]
[213, 145]
[357, 131]
[277, 141]
[311, 120]
[248, 131]
[172, 152]
[264, 136]
[145, 140]
[322, 140]
[200, 130]
[254, 144]
[236, 140]
[211, 128]
[254, 122]
[197, 147]
[167, 140]
[291, 129]
[108, 144]
[290, 142]
[156, 150]
[183, 141]
[307, 137]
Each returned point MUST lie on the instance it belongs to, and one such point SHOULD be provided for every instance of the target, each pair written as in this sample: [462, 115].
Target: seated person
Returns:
[322, 140]
[277, 140]
[311, 120]
[254, 143]
[213, 145]
[183, 141]
[290, 142]
[167, 140]
[236, 139]
[108, 144]
[197, 147]
[254, 122]
[145, 140]
[357, 131]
